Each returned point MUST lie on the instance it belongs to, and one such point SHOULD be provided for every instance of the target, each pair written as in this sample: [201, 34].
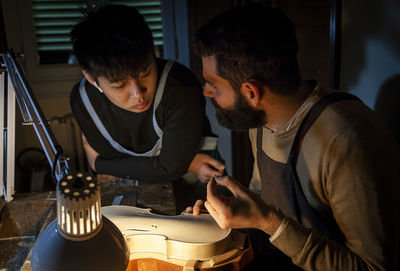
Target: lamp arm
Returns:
[80, 238]
[33, 115]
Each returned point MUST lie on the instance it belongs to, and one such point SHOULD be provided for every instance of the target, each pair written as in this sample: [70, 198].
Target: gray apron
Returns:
[281, 188]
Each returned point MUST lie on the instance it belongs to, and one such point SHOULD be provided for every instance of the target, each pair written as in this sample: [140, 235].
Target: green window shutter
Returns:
[54, 20]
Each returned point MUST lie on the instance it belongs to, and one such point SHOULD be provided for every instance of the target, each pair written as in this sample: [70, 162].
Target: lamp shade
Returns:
[107, 251]
[80, 238]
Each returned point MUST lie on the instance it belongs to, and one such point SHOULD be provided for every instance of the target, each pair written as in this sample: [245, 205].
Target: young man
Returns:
[327, 168]
[141, 117]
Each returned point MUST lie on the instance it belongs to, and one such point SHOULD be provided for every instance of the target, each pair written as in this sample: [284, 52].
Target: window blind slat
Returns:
[49, 30]
[55, 47]
[58, 14]
[57, 6]
[136, 3]
[53, 39]
[56, 22]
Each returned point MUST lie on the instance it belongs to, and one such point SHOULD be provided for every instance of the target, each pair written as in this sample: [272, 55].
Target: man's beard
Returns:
[241, 117]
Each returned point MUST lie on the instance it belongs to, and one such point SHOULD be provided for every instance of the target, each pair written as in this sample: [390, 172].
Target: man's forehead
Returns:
[209, 66]
[115, 78]
[110, 80]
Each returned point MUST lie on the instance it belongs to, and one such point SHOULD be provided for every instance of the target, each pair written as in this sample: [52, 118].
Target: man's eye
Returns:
[119, 86]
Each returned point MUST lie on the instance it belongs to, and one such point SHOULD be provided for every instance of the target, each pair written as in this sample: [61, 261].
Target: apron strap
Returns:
[159, 94]
[312, 115]
[325, 225]
[259, 146]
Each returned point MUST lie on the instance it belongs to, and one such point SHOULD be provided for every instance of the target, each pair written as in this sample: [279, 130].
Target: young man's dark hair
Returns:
[110, 47]
[263, 48]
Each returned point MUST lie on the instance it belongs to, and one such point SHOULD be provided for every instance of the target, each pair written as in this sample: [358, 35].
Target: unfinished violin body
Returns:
[183, 242]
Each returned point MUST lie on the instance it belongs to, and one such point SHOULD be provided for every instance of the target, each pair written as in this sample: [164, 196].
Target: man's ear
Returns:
[252, 91]
[89, 78]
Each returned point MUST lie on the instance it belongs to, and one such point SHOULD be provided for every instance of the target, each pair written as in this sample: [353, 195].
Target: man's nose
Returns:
[136, 89]
[208, 92]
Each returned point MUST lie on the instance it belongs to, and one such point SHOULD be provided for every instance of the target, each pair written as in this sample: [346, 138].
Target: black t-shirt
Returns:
[180, 114]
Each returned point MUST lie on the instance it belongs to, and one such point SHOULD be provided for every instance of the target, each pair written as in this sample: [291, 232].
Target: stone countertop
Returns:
[20, 222]
[22, 219]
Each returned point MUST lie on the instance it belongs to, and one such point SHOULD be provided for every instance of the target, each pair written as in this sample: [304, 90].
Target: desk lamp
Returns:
[80, 238]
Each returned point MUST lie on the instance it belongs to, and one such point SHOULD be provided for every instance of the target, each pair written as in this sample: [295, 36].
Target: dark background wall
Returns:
[371, 56]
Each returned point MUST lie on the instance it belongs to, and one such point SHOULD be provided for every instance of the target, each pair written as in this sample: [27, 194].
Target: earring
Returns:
[95, 84]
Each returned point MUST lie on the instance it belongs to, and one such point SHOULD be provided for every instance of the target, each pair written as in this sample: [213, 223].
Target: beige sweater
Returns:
[348, 163]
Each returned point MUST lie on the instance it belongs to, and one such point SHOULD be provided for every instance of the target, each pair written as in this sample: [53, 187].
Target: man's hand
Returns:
[197, 208]
[91, 154]
[243, 210]
[204, 167]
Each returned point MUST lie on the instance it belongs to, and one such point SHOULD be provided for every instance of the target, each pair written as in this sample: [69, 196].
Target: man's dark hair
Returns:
[252, 42]
[114, 42]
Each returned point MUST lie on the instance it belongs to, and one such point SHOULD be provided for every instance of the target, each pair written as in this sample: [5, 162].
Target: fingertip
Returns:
[212, 181]
[196, 211]
[218, 179]
[222, 180]
[199, 202]
[189, 209]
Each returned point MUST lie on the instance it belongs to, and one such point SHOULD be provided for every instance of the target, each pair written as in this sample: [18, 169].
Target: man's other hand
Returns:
[242, 210]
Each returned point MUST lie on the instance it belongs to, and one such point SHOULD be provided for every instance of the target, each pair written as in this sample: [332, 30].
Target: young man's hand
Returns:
[243, 210]
[91, 154]
[204, 167]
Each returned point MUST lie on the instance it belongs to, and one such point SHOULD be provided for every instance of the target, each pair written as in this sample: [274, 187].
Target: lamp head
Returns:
[80, 238]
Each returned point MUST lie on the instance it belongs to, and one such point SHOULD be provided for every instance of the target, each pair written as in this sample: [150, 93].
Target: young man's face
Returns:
[232, 109]
[132, 94]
